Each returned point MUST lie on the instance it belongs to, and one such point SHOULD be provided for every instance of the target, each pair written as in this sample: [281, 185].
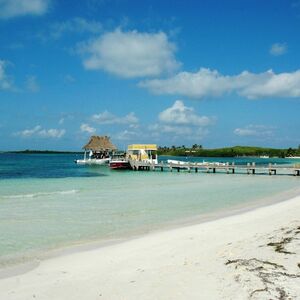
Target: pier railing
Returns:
[249, 168]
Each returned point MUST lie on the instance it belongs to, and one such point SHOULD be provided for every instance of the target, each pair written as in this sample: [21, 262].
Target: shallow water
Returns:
[48, 202]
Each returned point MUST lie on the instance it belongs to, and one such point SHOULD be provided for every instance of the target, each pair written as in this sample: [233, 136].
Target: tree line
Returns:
[199, 150]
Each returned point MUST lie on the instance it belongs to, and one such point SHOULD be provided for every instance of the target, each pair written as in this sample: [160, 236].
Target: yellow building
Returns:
[142, 152]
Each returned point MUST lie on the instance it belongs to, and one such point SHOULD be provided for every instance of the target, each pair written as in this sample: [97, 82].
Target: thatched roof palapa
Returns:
[99, 143]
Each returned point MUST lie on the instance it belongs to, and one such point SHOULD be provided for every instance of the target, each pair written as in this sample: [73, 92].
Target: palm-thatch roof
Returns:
[99, 143]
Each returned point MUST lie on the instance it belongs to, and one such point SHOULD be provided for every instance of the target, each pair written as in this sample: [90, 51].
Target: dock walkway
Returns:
[250, 168]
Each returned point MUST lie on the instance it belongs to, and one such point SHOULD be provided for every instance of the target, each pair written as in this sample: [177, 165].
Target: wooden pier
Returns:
[249, 168]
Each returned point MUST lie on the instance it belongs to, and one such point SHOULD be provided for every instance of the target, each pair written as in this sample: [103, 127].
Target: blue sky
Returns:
[216, 73]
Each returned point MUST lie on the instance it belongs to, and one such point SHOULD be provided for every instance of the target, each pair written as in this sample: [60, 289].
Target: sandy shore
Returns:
[253, 255]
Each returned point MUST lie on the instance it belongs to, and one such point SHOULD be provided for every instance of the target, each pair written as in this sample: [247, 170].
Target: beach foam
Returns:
[39, 194]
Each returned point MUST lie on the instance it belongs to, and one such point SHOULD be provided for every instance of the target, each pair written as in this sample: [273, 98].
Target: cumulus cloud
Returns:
[255, 130]
[210, 83]
[75, 25]
[32, 84]
[38, 131]
[181, 121]
[278, 49]
[109, 118]
[176, 131]
[87, 128]
[130, 54]
[15, 8]
[178, 113]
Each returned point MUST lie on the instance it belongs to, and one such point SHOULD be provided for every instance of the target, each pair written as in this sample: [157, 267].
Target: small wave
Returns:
[39, 194]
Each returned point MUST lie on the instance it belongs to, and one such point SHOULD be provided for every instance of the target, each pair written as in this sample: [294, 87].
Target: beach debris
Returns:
[264, 278]
[280, 246]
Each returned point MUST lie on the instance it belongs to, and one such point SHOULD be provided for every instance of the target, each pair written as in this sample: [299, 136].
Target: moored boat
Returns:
[119, 161]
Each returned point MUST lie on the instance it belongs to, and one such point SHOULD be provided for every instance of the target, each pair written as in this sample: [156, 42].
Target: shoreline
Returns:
[159, 249]
[24, 264]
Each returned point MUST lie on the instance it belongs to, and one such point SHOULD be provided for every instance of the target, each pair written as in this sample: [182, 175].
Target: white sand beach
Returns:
[254, 255]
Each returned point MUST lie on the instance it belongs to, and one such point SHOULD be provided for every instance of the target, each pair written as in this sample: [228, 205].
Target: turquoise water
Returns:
[48, 202]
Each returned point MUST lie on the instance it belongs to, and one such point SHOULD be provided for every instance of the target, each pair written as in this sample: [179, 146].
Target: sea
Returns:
[47, 202]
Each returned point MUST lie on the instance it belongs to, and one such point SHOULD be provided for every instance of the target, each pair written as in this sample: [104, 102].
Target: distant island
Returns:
[198, 150]
[43, 152]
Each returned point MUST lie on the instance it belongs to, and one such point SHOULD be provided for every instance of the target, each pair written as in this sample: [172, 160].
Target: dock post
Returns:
[178, 169]
[189, 168]
[196, 170]
[214, 170]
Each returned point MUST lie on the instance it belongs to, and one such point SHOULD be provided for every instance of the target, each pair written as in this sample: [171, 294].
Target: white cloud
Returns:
[52, 133]
[38, 131]
[278, 49]
[15, 8]
[75, 25]
[178, 113]
[176, 131]
[130, 54]
[32, 84]
[181, 121]
[5, 82]
[87, 128]
[109, 118]
[127, 135]
[255, 130]
[29, 132]
[210, 83]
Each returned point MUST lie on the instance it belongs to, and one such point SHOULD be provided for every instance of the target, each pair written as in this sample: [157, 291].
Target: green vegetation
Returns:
[198, 150]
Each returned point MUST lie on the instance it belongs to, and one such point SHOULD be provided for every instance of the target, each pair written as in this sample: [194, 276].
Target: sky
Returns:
[209, 72]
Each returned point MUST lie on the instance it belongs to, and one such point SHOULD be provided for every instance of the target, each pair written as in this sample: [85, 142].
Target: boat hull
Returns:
[119, 165]
[92, 161]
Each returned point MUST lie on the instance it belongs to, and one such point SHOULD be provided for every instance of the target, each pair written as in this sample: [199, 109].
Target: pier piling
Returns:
[271, 169]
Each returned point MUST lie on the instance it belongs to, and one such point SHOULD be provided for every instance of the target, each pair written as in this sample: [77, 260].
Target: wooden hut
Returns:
[99, 147]
[99, 143]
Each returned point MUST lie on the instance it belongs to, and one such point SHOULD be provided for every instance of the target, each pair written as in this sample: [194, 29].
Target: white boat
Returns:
[97, 151]
[119, 161]
[92, 161]
[264, 156]
[177, 162]
[180, 162]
